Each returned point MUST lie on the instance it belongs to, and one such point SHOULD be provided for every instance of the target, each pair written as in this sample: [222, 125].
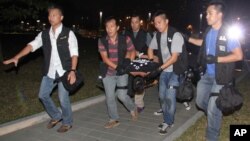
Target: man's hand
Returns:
[211, 59]
[155, 73]
[12, 60]
[72, 77]
[120, 70]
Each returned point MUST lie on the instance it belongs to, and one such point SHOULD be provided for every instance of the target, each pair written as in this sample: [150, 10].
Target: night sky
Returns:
[180, 11]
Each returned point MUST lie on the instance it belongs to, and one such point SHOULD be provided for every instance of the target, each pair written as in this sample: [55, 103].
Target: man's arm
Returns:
[197, 42]
[106, 60]
[73, 49]
[30, 47]
[131, 54]
[170, 61]
[26, 50]
[150, 54]
[236, 55]
[72, 76]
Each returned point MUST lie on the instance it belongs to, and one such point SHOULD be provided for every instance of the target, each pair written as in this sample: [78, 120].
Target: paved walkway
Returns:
[88, 125]
[89, 121]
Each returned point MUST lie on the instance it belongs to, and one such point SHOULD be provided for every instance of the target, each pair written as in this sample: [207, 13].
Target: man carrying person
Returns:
[116, 49]
[141, 40]
[169, 44]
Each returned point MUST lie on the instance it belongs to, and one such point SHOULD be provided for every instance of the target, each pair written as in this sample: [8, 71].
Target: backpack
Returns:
[186, 91]
[181, 65]
[229, 100]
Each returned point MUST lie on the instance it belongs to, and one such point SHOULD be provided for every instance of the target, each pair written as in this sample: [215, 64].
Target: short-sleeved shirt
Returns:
[176, 47]
[211, 39]
[113, 52]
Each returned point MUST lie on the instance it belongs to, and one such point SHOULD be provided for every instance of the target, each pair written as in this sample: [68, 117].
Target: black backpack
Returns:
[229, 100]
[186, 91]
[181, 65]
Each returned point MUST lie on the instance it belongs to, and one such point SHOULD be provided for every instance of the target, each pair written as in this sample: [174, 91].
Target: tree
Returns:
[12, 11]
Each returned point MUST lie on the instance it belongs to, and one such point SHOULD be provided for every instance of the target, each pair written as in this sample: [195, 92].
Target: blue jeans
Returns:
[167, 89]
[46, 88]
[110, 84]
[205, 87]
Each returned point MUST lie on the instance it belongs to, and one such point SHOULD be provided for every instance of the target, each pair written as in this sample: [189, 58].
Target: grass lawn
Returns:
[197, 131]
[19, 92]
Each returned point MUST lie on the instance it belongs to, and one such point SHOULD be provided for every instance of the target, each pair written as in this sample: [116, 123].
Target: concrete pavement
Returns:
[90, 116]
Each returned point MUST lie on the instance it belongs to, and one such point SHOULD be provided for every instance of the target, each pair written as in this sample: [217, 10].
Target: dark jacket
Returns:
[122, 50]
[224, 72]
[62, 47]
[139, 41]
[181, 65]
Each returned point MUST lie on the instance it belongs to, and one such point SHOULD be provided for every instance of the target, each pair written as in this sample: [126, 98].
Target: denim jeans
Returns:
[167, 89]
[46, 88]
[205, 87]
[110, 84]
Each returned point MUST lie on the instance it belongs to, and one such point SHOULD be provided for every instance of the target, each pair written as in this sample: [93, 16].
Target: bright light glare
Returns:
[235, 32]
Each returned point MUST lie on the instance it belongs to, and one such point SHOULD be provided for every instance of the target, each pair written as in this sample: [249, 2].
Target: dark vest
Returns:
[139, 41]
[224, 72]
[62, 47]
[122, 50]
[181, 65]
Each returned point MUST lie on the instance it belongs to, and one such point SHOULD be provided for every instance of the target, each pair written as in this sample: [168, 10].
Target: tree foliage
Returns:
[14, 10]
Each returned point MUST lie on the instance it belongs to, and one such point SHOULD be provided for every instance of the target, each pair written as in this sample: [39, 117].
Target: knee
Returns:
[42, 97]
[122, 97]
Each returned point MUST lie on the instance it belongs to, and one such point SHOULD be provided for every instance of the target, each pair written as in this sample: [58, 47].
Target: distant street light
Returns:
[100, 19]
[201, 22]
[22, 25]
[38, 25]
[149, 16]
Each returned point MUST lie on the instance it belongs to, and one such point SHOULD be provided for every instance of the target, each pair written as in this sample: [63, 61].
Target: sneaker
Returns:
[111, 124]
[187, 105]
[140, 109]
[161, 125]
[158, 113]
[164, 128]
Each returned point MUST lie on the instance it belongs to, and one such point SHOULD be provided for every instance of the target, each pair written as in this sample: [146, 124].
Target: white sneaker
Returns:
[158, 113]
[164, 127]
[187, 105]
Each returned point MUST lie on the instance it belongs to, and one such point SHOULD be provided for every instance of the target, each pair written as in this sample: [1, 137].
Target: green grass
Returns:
[197, 131]
[19, 92]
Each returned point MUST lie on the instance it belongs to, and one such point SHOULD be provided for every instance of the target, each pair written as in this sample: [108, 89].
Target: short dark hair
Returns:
[219, 5]
[108, 19]
[55, 6]
[160, 13]
[136, 15]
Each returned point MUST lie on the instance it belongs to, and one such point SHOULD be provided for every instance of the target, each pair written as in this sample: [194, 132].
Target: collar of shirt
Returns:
[57, 32]
[110, 42]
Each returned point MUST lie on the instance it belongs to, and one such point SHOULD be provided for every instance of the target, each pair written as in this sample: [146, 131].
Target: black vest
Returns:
[139, 41]
[224, 72]
[181, 65]
[122, 50]
[62, 47]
